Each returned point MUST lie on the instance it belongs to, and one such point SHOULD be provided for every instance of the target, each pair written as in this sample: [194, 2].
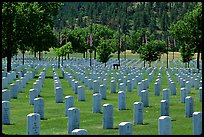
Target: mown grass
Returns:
[56, 122]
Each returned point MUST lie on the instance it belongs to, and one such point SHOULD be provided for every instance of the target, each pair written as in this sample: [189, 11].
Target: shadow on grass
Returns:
[9, 124]
[44, 119]
[173, 119]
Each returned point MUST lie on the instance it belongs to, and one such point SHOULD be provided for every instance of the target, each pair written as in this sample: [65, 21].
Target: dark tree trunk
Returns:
[59, 62]
[35, 54]
[9, 46]
[198, 56]
[84, 54]
[62, 60]
[23, 56]
[94, 53]
[39, 55]
[68, 56]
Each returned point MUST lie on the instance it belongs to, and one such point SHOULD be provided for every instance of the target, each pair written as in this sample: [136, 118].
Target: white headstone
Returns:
[188, 87]
[166, 95]
[113, 86]
[145, 98]
[129, 86]
[39, 107]
[189, 106]
[5, 112]
[107, 116]
[19, 85]
[140, 88]
[76, 84]
[33, 95]
[13, 91]
[196, 84]
[73, 119]
[183, 95]
[156, 89]
[102, 91]
[122, 87]
[69, 102]
[96, 86]
[33, 124]
[79, 132]
[81, 93]
[200, 94]
[164, 125]
[5, 95]
[96, 103]
[138, 112]
[59, 95]
[125, 128]
[164, 108]
[90, 84]
[173, 88]
[4, 82]
[197, 123]
[121, 100]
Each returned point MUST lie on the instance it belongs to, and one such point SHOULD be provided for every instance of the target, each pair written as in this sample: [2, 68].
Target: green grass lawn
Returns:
[56, 122]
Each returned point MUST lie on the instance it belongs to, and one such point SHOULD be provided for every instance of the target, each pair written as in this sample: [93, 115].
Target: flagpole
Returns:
[90, 43]
[125, 47]
[119, 48]
[167, 53]
[59, 47]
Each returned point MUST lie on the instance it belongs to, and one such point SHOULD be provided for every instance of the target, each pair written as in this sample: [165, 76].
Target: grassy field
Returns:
[56, 123]
[129, 55]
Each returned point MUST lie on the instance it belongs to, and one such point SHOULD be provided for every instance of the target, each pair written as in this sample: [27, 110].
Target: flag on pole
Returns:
[169, 43]
[91, 37]
[60, 38]
[174, 43]
[120, 40]
[146, 38]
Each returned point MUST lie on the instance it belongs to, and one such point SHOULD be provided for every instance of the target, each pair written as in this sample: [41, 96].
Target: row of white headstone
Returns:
[125, 128]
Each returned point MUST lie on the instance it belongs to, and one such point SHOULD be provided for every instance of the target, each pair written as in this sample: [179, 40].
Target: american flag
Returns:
[169, 43]
[60, 38]
[120, 40]
[91, 37]
[146, 38]
[174, 43]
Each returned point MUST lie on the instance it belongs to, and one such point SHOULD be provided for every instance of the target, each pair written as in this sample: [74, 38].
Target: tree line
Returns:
[38, 26]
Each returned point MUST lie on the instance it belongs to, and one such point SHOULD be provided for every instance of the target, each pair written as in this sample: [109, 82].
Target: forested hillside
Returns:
[156, 17]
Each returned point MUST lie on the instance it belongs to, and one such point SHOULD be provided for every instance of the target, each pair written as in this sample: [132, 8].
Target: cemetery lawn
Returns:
[56, 122]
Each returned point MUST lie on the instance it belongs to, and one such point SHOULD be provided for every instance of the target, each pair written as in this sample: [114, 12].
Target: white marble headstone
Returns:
[107, 116]
[73, 119]
[138, 112]
[125, 128]
[69, 102]
[164, 125]
[5, 112]
[33, 124]
[121, 100]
